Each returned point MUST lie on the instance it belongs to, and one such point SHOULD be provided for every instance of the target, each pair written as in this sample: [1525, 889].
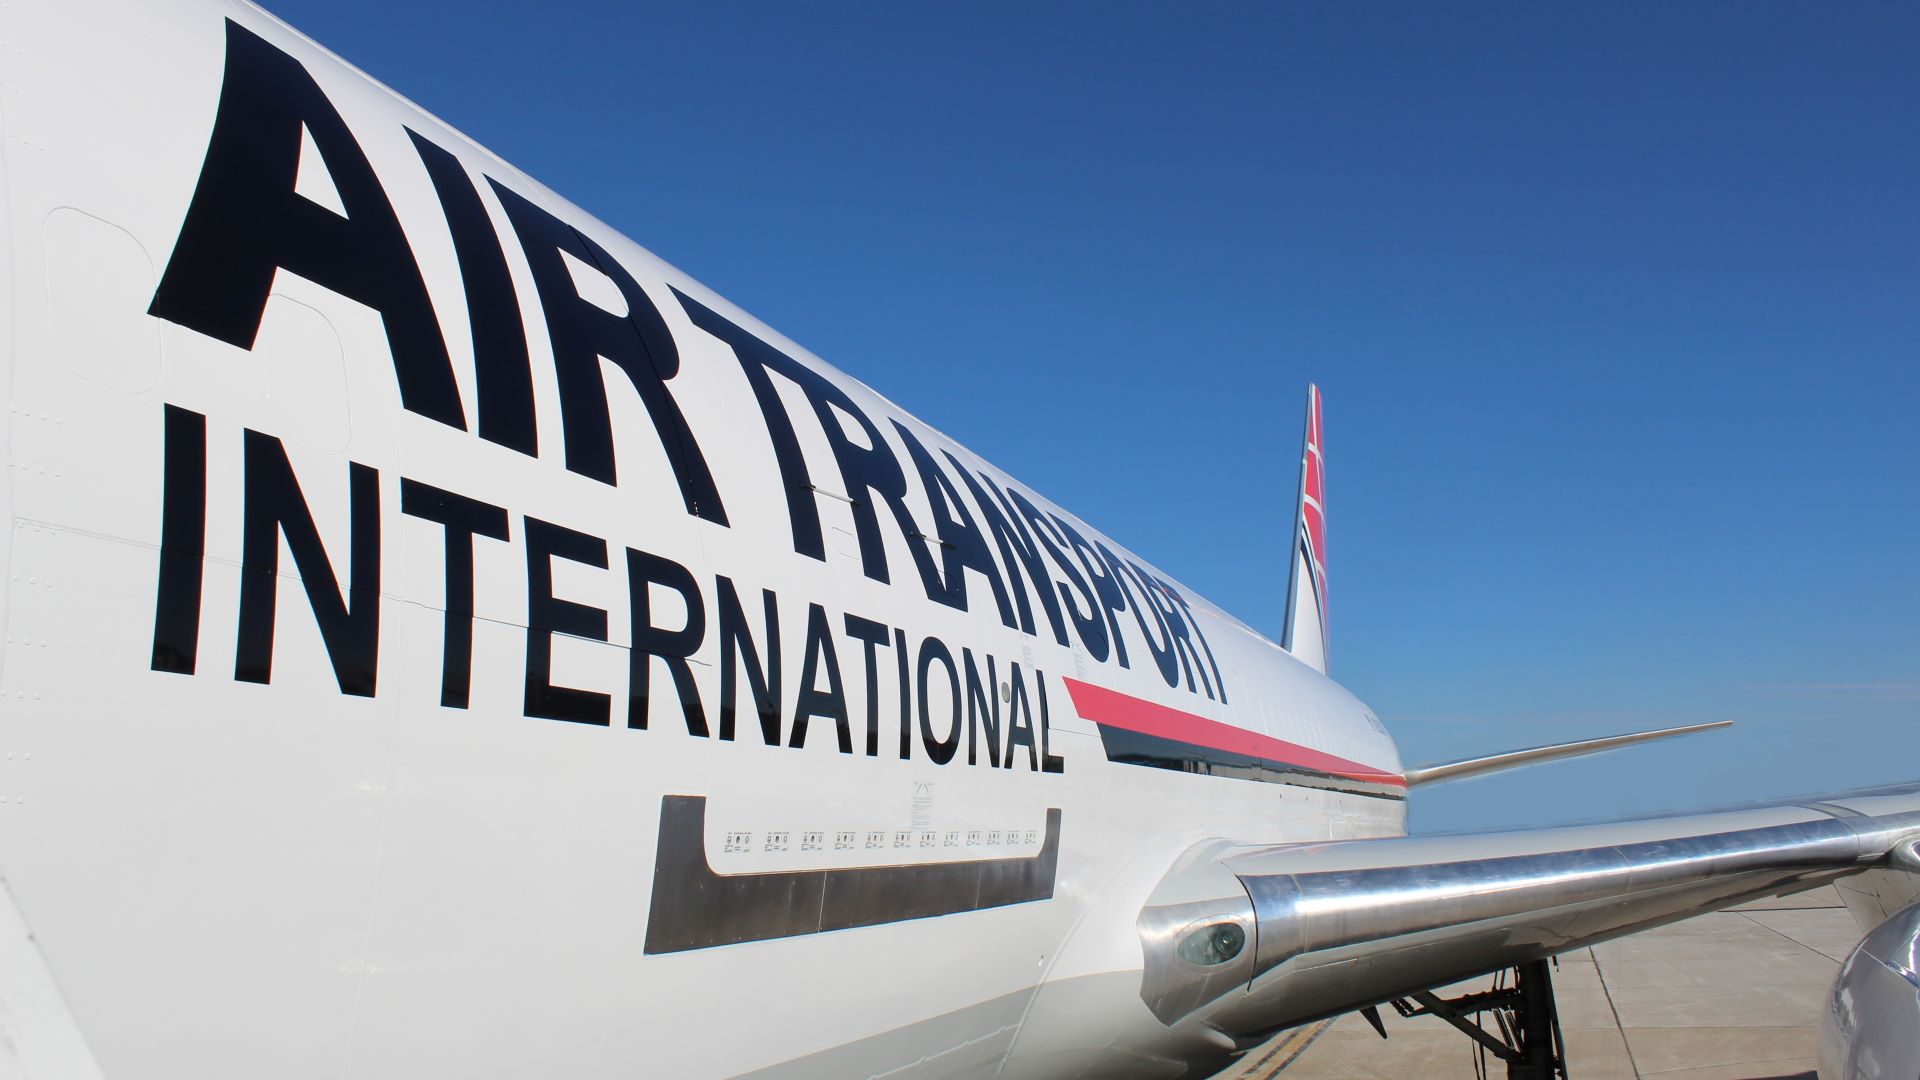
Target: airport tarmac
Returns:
[1728, 996]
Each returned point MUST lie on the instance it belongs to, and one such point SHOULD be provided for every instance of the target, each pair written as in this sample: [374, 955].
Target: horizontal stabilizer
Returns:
[1492, 763]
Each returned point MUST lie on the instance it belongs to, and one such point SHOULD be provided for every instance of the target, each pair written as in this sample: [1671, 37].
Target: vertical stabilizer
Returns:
[1306, 630]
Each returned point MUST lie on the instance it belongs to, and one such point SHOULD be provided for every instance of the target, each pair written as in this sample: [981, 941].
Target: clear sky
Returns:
[1616, 308]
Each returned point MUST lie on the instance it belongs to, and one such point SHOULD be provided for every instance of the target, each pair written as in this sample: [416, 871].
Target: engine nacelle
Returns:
[1870, 1029]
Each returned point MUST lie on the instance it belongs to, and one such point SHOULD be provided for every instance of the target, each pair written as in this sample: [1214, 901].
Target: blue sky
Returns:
[1615, 309]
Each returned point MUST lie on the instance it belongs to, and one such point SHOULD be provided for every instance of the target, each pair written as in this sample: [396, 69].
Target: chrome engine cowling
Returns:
[1870, 1029]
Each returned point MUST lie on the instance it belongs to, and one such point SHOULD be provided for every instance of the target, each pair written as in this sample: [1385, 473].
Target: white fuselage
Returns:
[250, 814]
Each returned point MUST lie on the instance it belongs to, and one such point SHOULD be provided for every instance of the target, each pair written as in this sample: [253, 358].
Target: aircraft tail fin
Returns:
[1305, 635]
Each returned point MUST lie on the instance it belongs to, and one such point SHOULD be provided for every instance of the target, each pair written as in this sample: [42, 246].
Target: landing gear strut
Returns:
[1527, 1035]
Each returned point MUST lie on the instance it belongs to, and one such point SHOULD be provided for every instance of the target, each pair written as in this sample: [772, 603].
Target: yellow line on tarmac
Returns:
[1280, 1053]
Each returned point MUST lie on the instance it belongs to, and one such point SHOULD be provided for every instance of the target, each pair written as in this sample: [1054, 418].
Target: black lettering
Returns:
[548, 615]
[906, 692]
[638, 343]
[863, 469]
[1090, 627]
[983, 710]
[962, 545]
[503, 377]
[831, 702]
[1161, 644]
[674, 647]
[349, 624]
[1020, 718]
[1017, 549]
[1105, 586]
[462, 520]
[873, 636]
[183, 541]
[1174, 595]
[246, 223]
[1156, 594]
[762, 682]
[940, 750]
[756, 359]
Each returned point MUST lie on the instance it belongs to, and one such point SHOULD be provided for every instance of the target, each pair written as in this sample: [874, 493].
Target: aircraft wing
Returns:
[1326, 928]
[1468, 768]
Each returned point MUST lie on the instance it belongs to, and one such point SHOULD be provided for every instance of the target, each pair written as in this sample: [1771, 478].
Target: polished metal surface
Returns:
[1346, 924]
[1491, 763]
[696, 908]
[1870, 1029]
[1906, 856]
[1198, 895]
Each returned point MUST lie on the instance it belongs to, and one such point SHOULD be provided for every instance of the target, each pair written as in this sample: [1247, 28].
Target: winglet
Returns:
[1305, 635]
[1533, 755]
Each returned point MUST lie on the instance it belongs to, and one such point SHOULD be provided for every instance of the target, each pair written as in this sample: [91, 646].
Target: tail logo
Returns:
[1306, 629]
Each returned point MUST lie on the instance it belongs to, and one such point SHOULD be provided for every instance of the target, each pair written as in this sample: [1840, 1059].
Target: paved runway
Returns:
[1728, 996]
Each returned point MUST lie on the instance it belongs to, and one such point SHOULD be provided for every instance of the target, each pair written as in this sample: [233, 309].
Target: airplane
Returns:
[443, 639]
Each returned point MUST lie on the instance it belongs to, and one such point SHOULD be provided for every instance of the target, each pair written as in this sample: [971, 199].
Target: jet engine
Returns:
[1870, 1029]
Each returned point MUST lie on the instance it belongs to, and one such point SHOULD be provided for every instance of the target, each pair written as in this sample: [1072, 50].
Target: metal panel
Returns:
[1870, 1029]
[1337, 930]
[695, 908]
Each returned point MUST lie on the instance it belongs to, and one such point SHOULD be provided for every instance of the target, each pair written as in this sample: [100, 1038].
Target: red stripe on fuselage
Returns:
[1115, 709]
